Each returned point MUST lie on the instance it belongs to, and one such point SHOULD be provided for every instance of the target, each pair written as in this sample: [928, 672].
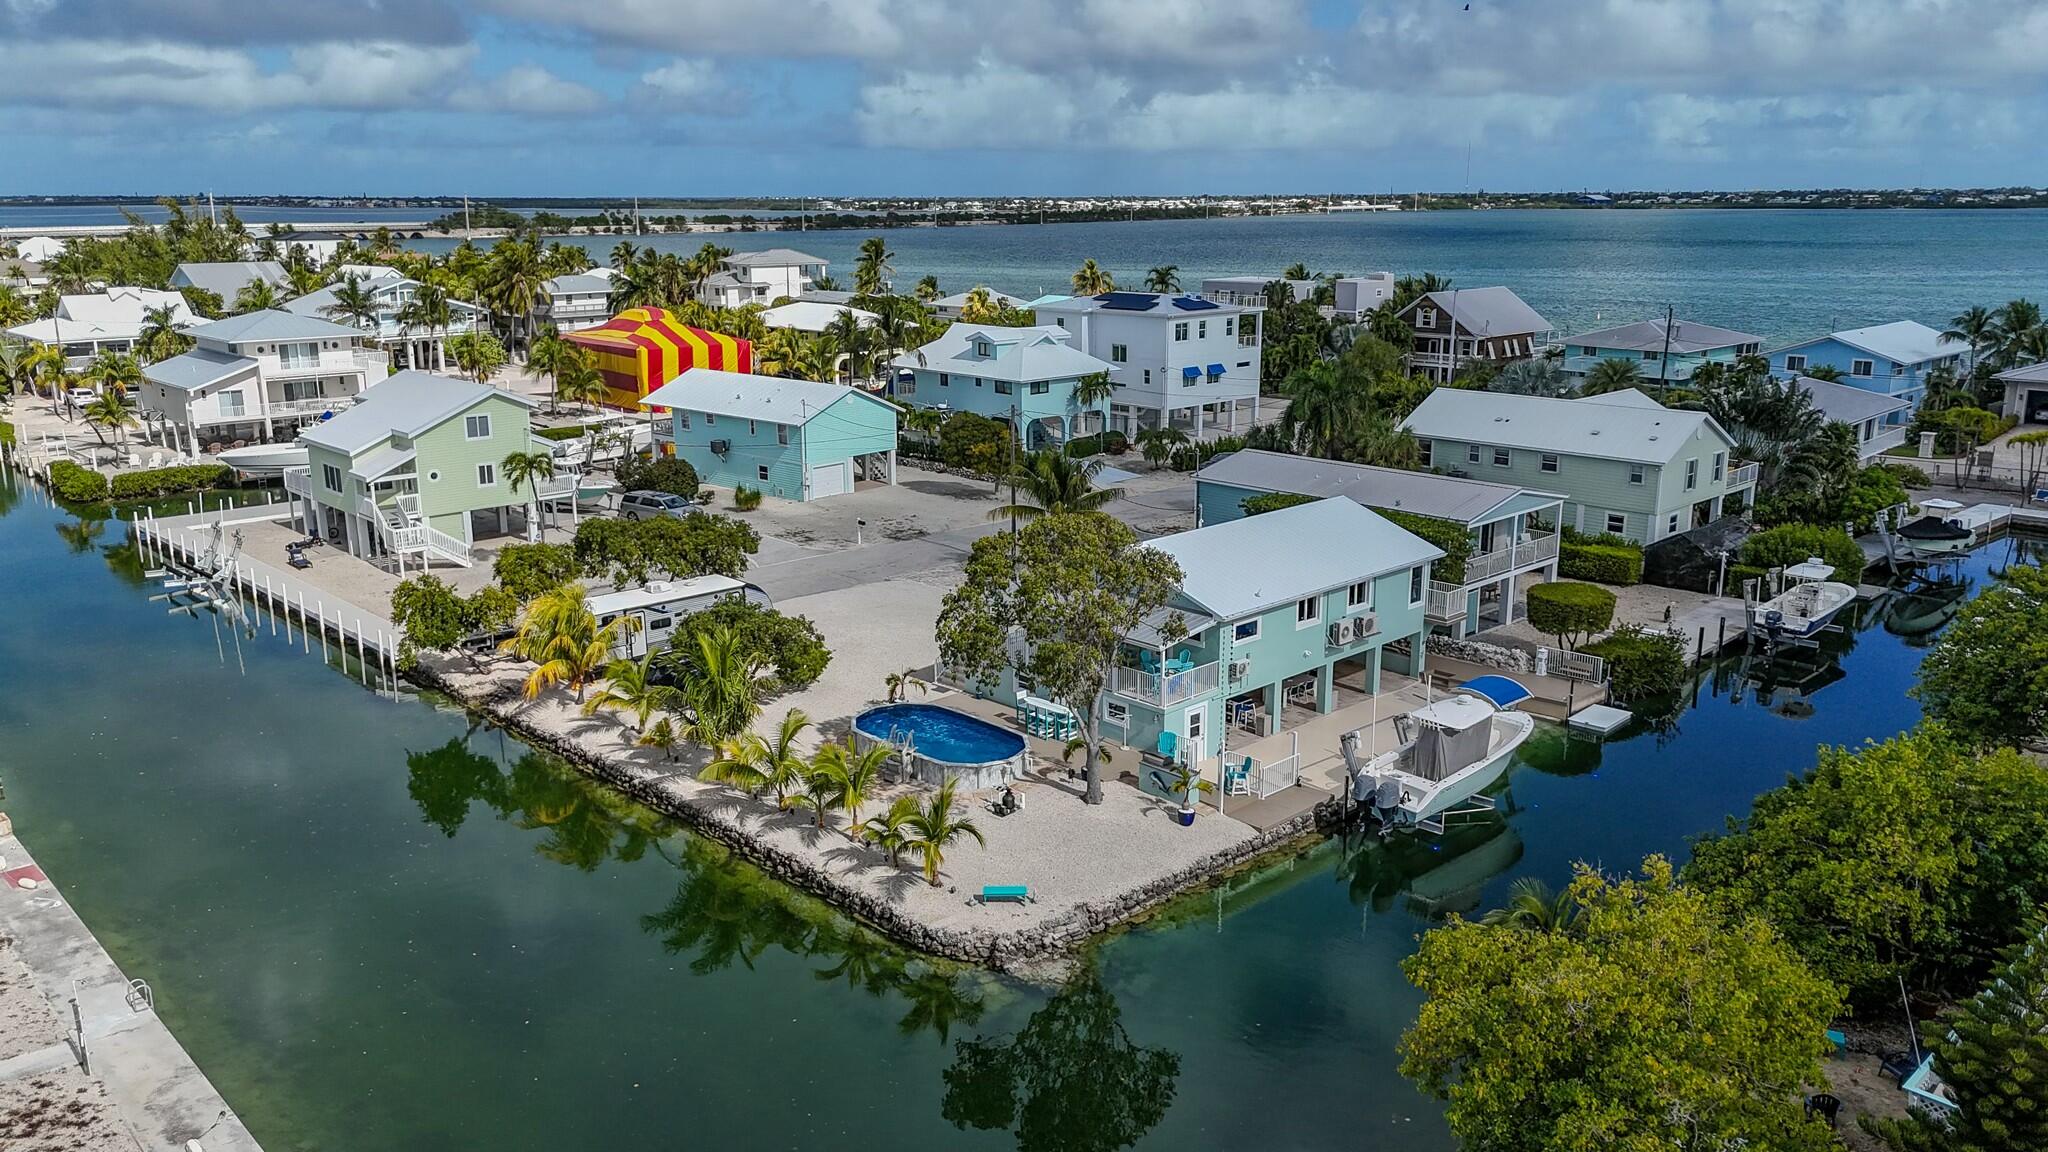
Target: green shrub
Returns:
[1081, 446]
[78, 485]
[977, 443]
[745, 499]
[1454, 538]
[527, 570]
[670, 474]
[1601, 563]
[1266, 502]
[6, 433]
[1910, 475]
[791, 644]
[1571, 612]
[1794, 543]
[164, 481]
[1640, 663]
[1115, 443]
[558, 434]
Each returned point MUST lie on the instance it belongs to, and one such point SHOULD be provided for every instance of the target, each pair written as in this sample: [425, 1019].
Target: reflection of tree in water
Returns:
[1438, 875]
[82, 534]
[723, 910]
[1070, 1080]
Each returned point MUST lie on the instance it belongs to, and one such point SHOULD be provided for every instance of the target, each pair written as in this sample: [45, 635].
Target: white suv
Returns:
[643, 504]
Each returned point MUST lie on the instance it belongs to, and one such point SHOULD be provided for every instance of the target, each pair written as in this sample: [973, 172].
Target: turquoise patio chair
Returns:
[1167, 743]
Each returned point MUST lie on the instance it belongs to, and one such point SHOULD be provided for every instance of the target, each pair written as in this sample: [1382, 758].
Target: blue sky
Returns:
[923, 97]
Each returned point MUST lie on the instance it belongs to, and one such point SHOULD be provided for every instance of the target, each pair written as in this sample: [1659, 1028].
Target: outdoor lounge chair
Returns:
[1168, 743]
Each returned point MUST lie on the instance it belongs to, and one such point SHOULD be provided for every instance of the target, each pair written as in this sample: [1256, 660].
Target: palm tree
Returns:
[544, 358]
[515, 283]
[563, 640]
[428, 310]
[1091, 280]
[354, 303]
[1158, 444]
[855, 773]
[932, 827]
[664, 735]
[720, 678]
[1092, 391]
[818, 794]
[888, 831]
[1532, 905]
[478, 354]
[528, 469]
[577, 378]
[622, 255]
[108, 411]
[14, 307]
[1055, 482]
[629, 687]
[160, 338]
[1377, 440]
[750, 763]
[18, 362]
[850, 337]
[114, 371]
[871, 272]
[2031, 346]
[1537, 376]
[1827, 372]
[817, 359]
[1164, 278]
[1297, 271]
[898, 684]
[1611, 374]
[927, 289]
[2015, 319]
[1324, 404]
[980, 306]
[1946, 391]
[777, 355]
[256, 296]
[1976, 326]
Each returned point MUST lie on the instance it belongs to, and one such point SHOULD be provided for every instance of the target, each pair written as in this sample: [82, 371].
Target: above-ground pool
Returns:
[945, 744]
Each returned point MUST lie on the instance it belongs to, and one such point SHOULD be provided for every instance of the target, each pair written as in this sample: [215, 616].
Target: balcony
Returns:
[1884, 440]
[1536, 548]
[1248, 341]
[1240, 299]
[1742, 476]
[311, 406]
[299, 482]
[1161, 689]
[1444, 603]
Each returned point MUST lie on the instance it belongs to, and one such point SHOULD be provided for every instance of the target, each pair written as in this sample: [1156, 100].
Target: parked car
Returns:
[80, 397]
[644, 503]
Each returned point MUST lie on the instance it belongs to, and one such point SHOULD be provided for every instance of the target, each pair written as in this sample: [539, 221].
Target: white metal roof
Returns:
[578, 282]
[1045, 352]
[1906, 341]
[772, 258]
[958, 300]
[1245, 566]
[272, 324]
[408, 403]
[748, 397]
[193, 370]
[2030, 374]
[811, 315]
[661, 592]
[1423, 493]
[227, 278]
[1848, 404]
[1588, 426]
[1649, 336]
[1486, 311]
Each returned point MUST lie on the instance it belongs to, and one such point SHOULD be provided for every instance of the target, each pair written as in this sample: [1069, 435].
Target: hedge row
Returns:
[1600, 563]
[6, 432]
[77, 485]
[1454, 538]
[1113, 442]
[569, 433]
[164, 481]
[1640, 663]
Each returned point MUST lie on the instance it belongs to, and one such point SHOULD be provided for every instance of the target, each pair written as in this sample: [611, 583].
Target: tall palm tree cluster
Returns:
[1350, 407]
[2009, 336]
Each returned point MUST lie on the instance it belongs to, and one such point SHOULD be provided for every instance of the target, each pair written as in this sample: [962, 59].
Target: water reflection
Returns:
[1432, 876]
[585, 822]
[1070, 1080]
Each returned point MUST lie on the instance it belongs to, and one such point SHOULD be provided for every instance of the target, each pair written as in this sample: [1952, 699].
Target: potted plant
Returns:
[1186, 783]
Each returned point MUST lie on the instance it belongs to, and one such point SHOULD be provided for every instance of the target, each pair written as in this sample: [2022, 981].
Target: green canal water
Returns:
[376, 924]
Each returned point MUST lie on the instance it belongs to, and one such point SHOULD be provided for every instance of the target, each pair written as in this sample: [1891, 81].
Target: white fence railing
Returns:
[1267, 779]
[1445, 602]
[1534, 549]
[299, 482]
[1163, 688]
[1573, 665]
[1742, 476]
[454, 549]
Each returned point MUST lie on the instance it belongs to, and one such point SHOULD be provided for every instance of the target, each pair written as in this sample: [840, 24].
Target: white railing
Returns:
[1533, 549]
[1575, 666]
[1250, 341]
[1742, 476]
[299, 482]
[454, 549]
[1270, 778]
[561, 487]
[1444, 602]
[1241, 299]
[1163, 688]
[1884, 440]
[309, 406]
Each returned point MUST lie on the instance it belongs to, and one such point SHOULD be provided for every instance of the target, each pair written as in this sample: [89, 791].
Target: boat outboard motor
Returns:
[1387, 797]
[1774, 620]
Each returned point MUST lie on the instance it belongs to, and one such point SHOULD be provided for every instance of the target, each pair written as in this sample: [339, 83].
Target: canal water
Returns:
[378, 924]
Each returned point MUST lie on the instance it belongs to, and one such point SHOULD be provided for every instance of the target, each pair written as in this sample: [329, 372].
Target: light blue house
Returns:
[1893, 359]
[1279, 618]
[790, 438]
[1025, 376]
[1664, 352]
[1512, 529]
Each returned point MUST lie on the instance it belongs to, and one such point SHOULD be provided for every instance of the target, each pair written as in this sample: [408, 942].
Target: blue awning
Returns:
[1215, 369]
[1190, 372]
[1503, 692]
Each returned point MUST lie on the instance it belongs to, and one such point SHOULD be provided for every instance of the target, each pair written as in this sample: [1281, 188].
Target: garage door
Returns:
[829, 480]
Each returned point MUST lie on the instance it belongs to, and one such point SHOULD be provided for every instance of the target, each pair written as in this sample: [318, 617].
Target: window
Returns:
[1589, 351]
[1671, 526]
[1617, 523]
[486, 475]
[1415, 585]
[1245, 630]
[1649, 354]
[298, 355]
[231, 402]
[1425, 317]
[682, 420]
[1859, 368]
[1180, 330]
[1464, 347]
[476, 427]
[1795, 363]
[302, 389]
[1148, 376]
[907, 386]
[1692, 475]
[945, 380]
[1187, 381]
[1898, 369]
[1061, 321]
[977, 381]
[1228, 322]
[984, 348]
[330, 477]
[1424, 447]
[1548, 462]
[1040, 387]
[1635, 473]
[1472, 454]
[1307, 611]
[1502, 457]
[782, 433]
[1359, 595]
[1720, 465]
[761, 471]
[709, 420]
[1119, 353]
[1004, 387]
[1201, 329]
[753, 428]
[1116, 713]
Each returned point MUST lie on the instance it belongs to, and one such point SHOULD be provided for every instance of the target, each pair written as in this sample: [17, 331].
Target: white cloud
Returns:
[526, 89]
[682, 79]
[107, 73]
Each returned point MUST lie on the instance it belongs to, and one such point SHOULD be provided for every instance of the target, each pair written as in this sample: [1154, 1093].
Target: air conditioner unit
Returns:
[720, 447]
[1340, 632]
[1239, 669]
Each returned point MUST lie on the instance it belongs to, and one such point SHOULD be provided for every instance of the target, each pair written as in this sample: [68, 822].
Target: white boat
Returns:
[1450, 751]
[1935, 537]
[1808, 603]
[264, 459]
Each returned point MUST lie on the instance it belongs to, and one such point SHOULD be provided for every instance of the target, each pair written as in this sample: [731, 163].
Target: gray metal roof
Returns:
[772, 258]
[197, 368]
[578, 282]
[2030, 374]
[1486, 311]
[377, 464]
[1235, 569]
[1423, 493]
[1906, 341]
[272, 324]
[1151, 630]
[1022, 354]
[1648, 336]
[226, 279]
[408, 403]
[748, 397]
[1848, 404]
[1588, 426]
[1122, 303]
[958, 300]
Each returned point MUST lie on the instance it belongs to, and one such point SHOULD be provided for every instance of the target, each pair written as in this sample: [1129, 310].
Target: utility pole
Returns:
[1664, 361]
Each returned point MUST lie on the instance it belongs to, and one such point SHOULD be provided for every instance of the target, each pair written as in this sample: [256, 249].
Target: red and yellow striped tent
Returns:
[642, 349]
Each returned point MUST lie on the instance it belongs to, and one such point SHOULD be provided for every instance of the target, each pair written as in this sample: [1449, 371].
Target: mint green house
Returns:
[407, 470]
[1622, 462]
[1026, 377]
[1664, 352]
[1279, 618]
[796, 439]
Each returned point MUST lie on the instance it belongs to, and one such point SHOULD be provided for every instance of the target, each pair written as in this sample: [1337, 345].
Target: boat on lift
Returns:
[1451, 750]
[264, 460]
[1809, 602]
[1935, 537]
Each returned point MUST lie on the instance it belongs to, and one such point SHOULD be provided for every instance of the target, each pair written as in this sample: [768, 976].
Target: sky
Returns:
[1030, 97]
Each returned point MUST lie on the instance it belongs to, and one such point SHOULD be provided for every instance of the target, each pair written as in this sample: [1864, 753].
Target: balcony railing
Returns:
[1533, 549]
[1445, 602]
[310, 406]
[1742, 476]
[1251, 341]
[1241, 299]
[1163, 688]
[1884, 440]
[299, 482]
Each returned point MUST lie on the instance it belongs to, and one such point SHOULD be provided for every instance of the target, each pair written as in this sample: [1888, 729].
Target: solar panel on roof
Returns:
[1127, 301]
[1193, 303]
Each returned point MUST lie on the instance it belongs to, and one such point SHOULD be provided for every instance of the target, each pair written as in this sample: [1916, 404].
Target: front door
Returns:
[1197, 749]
